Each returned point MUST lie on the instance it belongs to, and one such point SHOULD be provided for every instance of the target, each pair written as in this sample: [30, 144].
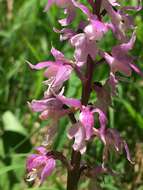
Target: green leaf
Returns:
[11, 123]
[6, 169]
[132, 112]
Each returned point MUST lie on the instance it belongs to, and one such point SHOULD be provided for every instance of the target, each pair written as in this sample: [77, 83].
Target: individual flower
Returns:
[78, 133]
[118, 26]
[83, 48]
[83, 130]
[86, 43]
[65, 33]
[95, 30]
[40, 165]
[121, 21]
[51, 108]
[86, 118]
[68, 7]
[119, 60]
[113, 141]
[57, 71]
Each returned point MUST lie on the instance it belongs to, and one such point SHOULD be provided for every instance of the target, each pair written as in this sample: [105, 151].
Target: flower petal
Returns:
[83, 8]
[95, 30]
[102, 118]
[70, 16]
[79, 143]
[87, 119]
[69, 101]
[128, 152]
[42, 105]
[62, 75]
[29, 162]
[57, 54]
[48, 169]
[41, 65]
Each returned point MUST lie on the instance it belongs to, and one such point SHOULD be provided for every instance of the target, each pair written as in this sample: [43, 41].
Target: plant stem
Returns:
[97, 8]
[74, 172]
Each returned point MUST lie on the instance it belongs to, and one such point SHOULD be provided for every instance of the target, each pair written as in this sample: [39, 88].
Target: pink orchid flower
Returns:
[83, 130]
[119, 60]
[114, 141]
[68, 7]
[57, 71]
[40, 165]
[49, 108]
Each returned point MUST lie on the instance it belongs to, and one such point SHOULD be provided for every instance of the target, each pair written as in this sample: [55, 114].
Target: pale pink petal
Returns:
[29, 162]
[41, 105]
[102, 118]
[87, 119]
[41, 65]
[57, 54]
[70, 16]
[62, 75]
[48, 169]
[95, 30]
[52, 71]
[78, 133]
[70, 101]
[118, 65]
[83, 8]
[125, 47]
[79, 143]
[38, 105]
[136, 69]
[41, 150]
[78, 40]
[81, 48]
[45, 114]
[39, 161]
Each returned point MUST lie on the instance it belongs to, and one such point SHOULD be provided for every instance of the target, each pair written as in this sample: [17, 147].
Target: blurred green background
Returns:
[26, 34]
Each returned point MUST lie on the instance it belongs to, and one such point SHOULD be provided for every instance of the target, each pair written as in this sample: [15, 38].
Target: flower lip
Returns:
[40, 165]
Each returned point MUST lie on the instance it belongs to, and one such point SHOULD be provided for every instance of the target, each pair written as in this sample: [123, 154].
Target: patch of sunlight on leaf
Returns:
[11, 123]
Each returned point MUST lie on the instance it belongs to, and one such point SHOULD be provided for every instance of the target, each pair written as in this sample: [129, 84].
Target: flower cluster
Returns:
[85, 41]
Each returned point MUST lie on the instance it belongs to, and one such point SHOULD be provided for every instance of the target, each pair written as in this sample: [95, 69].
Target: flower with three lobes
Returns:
[57, 71]
[50, 108]
[84, 129]
[69, 9]
[40, 165]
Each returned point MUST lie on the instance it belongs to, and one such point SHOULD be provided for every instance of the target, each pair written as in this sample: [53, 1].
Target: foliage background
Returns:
[26, 34]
